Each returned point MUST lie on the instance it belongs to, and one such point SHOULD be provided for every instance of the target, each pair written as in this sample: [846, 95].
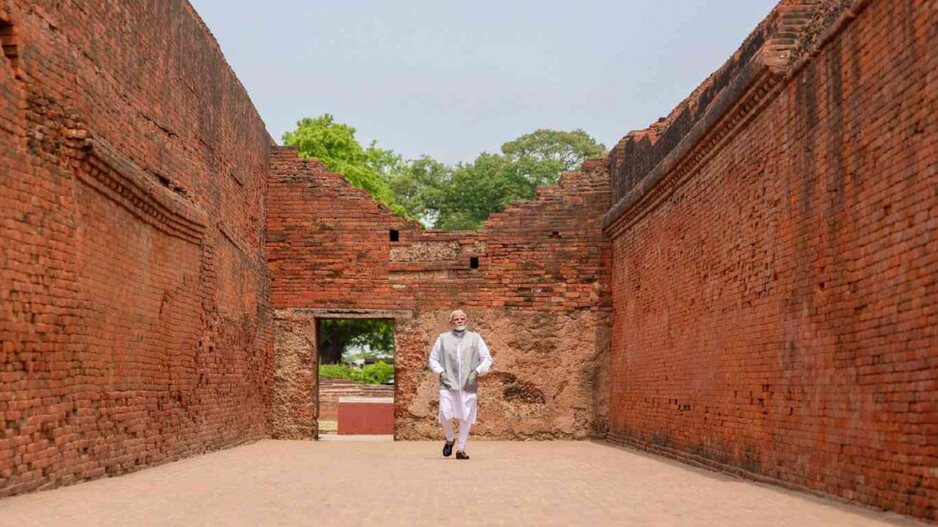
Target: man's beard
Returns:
[460, 328]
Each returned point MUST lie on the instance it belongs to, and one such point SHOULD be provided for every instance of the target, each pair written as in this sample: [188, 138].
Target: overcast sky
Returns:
[452, 79]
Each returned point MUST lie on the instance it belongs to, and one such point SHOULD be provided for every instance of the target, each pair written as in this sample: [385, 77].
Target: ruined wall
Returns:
[775, 260]
[539, 296]
[133, 291]
[327, 242]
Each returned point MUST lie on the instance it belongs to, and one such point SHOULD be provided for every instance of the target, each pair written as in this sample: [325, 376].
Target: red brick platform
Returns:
[366, 415]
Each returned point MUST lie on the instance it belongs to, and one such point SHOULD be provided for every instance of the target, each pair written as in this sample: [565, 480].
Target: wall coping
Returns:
[794, 34]
[366, 400]
[733, 108]
[294, 312]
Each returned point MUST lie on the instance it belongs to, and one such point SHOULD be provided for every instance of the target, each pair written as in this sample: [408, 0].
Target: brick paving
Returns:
[409, 484]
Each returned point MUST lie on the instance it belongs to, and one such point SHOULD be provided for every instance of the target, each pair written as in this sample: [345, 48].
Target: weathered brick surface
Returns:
[133, 291]
[539, 296]
[327, 242]
[770, 280]
[775, 303]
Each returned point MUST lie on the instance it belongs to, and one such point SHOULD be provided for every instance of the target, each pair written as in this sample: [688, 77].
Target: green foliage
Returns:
[458, 197]
[335, 145]
[340, 370]
[377, 373]
[418, 187]
[478, 189]
[540, 157]
[334, 336]
[474, 191]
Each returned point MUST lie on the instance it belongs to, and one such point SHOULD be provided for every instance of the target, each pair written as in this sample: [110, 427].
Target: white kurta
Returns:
[459, 404]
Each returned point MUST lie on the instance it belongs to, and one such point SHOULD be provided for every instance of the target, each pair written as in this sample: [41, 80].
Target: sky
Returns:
[451, 79]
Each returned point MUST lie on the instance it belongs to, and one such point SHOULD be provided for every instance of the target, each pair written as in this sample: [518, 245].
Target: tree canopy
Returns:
[370, 337]
[335, 145]
[442, 196]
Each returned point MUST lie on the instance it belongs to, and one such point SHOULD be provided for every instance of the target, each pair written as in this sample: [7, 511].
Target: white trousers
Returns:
[464, 426]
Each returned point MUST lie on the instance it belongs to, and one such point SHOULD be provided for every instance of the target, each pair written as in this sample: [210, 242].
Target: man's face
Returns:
[458, 322]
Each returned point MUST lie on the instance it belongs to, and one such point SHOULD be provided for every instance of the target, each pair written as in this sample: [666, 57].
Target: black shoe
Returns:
[461, 455]
[448, 448]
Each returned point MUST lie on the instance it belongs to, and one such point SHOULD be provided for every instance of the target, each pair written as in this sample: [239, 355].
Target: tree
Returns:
[458, 197]
[540, 157]
[335, 336]
[418, 187]
[474, 191]
[335, 145]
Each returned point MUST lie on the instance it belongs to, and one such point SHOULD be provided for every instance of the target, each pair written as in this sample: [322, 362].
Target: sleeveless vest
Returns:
[456, 374]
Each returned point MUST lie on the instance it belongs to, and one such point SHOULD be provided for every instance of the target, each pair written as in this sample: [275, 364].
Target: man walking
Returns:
[459, 357]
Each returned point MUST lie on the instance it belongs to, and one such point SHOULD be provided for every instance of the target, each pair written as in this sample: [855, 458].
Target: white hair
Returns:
[457, 312]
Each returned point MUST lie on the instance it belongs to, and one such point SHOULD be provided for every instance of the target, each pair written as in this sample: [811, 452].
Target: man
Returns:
[459, 357]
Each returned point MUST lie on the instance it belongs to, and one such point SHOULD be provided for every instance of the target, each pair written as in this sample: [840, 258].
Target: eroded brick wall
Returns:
[134, 315]
[327, 242]
[539, 296]
[774, 269]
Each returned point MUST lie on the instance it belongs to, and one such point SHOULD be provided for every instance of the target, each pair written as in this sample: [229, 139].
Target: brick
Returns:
[764, 302]
[420, 278]
[785, 257]
[115, 303]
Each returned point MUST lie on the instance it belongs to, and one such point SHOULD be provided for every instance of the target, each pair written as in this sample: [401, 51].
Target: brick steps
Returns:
[332, 388]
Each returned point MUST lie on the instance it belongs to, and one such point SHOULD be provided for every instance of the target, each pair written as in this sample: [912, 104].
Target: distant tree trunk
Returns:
[330, 351]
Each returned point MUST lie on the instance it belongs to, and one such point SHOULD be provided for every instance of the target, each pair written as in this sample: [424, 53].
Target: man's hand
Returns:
[474, 377]
[442, 373]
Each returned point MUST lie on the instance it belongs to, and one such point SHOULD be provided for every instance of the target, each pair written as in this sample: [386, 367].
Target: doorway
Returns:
[355, 377]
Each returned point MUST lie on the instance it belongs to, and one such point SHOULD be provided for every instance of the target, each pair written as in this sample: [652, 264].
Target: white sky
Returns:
[452, 79]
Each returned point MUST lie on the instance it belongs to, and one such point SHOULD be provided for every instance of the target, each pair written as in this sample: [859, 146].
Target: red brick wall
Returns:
[328, 246]
[774, 288]
[327, 242]
[547, 254]
[366, 418]
[540, 297]
[134, 319]
[773, 251]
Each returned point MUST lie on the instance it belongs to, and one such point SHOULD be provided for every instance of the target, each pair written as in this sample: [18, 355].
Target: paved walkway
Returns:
[409, 484]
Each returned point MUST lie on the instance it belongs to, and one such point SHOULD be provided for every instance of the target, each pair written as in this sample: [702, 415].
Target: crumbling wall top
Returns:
[776, 45]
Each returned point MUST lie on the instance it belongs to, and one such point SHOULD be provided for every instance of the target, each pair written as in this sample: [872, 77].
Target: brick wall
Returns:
[327, 242]
[770, 277]
[133, 291]
[539, 296]
[774, 288]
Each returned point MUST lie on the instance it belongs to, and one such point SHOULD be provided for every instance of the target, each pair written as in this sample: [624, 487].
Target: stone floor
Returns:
[385, 483]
